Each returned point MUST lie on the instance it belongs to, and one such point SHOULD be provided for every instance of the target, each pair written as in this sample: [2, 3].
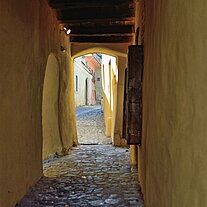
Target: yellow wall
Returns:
[69, 132]
[114, 89]
[29, 33]
[173, 152]
[118, 106]
[113, 72]
[118, 49]
[50, 123]
[107, 92]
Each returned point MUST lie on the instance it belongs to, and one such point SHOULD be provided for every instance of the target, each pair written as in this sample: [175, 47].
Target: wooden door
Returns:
[133, 101]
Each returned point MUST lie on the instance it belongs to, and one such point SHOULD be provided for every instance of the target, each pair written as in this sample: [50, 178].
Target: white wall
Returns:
[82, 73]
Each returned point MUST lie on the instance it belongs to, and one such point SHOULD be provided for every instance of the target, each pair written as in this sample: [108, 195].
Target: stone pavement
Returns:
[90, 175]
[90, 125]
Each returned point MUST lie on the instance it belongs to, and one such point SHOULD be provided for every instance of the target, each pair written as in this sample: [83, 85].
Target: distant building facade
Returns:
[88, 80]
[98, 86]
[82, 83]
[94, 62]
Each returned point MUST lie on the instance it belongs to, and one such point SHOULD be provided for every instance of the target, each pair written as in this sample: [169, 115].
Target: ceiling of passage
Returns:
[97, 21]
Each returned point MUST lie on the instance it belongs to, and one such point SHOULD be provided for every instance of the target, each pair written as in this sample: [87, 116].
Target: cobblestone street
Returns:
[90, 175]
[90, 125]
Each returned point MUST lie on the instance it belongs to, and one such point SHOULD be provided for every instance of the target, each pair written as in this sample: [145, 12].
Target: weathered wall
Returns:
[28, 34]
[50, 122]
[67, 115]
[173, 152]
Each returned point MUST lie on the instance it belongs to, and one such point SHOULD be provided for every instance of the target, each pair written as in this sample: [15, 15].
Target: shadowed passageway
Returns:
[90, 175]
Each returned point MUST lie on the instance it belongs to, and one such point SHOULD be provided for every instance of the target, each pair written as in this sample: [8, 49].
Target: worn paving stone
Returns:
[90, 175]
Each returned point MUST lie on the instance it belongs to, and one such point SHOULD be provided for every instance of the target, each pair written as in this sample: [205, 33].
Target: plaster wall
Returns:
[29, 33]
[113, 72]
[83, 74]
[107, 68]
[118, 119]
[173, 153]
[114, 91]
[67, 116]
[50, 123]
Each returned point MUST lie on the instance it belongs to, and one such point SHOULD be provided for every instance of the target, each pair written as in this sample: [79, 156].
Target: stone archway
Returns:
[50, 123]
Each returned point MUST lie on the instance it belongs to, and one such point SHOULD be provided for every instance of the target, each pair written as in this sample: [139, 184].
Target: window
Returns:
[98, 79]
[76, 83]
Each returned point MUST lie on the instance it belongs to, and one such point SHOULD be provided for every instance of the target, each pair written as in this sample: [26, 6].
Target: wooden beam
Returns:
[101, 35]
[63, 4]
[102, 30]
[129, 21]
[121, 11]
[101, 39]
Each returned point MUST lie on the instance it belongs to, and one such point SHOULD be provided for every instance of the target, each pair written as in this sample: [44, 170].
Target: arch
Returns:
[50, 124]
[102, 50]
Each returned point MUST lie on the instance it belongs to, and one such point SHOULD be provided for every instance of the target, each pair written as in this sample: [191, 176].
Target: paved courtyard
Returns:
[90, 175]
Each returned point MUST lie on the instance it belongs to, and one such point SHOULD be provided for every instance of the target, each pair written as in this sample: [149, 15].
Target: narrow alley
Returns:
[144, 62]
[93, 174]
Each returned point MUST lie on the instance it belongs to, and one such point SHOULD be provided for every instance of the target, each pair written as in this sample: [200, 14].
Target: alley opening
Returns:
[95, 78]
[96, 172]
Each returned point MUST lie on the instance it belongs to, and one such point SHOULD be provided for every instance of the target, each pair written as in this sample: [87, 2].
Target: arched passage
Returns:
[112, 90]
[50, 124]
[102, 50]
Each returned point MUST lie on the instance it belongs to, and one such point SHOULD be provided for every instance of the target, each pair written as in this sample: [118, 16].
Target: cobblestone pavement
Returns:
[90, 175]
[90, 125]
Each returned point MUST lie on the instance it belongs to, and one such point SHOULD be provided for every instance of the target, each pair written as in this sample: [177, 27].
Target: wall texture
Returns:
[50, 106]
[67, 117]
[29, 33]
[173, 154]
